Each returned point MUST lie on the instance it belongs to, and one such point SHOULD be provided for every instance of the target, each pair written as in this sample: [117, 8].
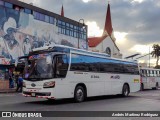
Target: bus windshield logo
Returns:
[33, 85]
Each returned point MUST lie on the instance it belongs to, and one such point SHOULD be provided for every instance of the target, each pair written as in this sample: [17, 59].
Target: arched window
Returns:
[108, 51]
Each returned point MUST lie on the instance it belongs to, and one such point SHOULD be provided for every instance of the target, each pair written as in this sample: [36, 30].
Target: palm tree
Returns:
[156, 52]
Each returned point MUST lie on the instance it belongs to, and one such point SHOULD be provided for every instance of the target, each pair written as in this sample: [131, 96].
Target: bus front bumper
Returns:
[46, 95]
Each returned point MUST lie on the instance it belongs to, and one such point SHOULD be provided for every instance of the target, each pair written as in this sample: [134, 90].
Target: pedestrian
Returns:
[11, 84]
[19, 84]
[16, 81]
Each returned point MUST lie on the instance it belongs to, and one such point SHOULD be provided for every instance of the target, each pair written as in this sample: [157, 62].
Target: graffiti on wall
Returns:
[20, 33]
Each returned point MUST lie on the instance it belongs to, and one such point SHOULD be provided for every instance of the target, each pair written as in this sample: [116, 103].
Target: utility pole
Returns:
[149, 56]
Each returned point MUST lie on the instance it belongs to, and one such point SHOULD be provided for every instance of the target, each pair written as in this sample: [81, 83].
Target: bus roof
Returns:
[71, 48]
[145, 68]
[81, 51]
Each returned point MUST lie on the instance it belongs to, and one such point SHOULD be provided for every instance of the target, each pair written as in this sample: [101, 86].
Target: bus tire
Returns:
[156, 87]
[79, 94]
[125, 90]
[142, 87]
[50, 100]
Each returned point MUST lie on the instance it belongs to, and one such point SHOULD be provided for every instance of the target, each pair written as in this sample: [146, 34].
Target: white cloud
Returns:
[146, 60]
[120, 37]
[94, 29]
[34, 2]
[86, 1]
[143, 49]
[137, 1]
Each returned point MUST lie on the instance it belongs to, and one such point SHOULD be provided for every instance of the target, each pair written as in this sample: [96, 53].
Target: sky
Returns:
[135, 22]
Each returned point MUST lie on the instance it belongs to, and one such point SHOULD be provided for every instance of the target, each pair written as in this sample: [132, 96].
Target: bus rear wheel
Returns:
[156, 87]
[125, 90]
[142, 87]
[79, 94]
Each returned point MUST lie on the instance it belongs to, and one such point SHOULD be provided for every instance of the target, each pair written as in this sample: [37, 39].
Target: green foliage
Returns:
[157, 67]
[156, 52]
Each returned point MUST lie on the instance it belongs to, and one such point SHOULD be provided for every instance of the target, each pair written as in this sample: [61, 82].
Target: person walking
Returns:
[11, 84]
[19, 84]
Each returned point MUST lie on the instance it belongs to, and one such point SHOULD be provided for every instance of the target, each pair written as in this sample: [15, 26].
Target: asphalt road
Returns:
[148, 100]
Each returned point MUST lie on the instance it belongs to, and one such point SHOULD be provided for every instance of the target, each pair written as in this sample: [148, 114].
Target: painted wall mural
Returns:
[20, 33]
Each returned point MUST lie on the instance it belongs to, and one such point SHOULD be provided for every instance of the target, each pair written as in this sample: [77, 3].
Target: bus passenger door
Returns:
[60, 73]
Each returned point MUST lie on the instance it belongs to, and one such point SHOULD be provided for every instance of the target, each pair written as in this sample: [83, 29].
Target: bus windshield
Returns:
[39, 67]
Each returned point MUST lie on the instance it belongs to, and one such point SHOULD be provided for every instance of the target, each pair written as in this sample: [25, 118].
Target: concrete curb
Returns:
[8, 91]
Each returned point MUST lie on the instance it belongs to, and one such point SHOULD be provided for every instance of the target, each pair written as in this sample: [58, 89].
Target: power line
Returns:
[143, 56]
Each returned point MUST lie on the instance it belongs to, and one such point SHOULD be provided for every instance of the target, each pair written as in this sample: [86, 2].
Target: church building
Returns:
[107, 42]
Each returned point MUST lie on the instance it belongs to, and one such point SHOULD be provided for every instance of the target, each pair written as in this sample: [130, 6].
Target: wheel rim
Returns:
[79, 95]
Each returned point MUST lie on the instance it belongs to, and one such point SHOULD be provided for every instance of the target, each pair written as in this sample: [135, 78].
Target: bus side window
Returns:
[61, 66]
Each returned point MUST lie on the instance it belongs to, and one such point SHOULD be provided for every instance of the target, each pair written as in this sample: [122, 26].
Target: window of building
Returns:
[63, 24]
[9, 5]
[61, 27]
[75, 31]
[51, 19]
[21, 10]
[39, 16]
[42, 17]
[108, 51]
[36, 15]
[67, 29]
[71, 30]
[85, 36]
[46, 18]
[28, 11]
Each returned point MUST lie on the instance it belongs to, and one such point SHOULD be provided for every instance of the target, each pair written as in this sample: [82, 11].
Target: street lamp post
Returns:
[149, 56]
[79, 29]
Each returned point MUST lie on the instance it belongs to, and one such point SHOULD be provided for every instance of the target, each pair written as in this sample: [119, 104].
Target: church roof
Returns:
[107, 32]
[94, 41]
[62, 11]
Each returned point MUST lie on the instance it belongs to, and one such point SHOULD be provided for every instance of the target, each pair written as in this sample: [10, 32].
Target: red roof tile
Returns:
[94, 41]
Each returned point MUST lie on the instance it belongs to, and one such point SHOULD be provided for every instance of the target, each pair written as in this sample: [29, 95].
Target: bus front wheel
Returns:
[125, 90]
[79, 94]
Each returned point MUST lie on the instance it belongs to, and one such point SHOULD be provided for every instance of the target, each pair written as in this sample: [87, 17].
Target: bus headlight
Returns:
[49, 84]
[24, 84]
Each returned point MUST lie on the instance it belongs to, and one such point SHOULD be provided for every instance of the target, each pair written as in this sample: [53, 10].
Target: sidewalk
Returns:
[11, 90]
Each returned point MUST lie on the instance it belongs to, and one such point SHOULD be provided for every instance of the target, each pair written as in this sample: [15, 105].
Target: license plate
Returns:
[33, 94]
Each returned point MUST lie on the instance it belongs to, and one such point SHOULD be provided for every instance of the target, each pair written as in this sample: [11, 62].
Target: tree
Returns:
[156, 52]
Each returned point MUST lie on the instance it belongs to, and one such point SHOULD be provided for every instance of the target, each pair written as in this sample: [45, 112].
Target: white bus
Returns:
[150, 78]
[64, 72]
